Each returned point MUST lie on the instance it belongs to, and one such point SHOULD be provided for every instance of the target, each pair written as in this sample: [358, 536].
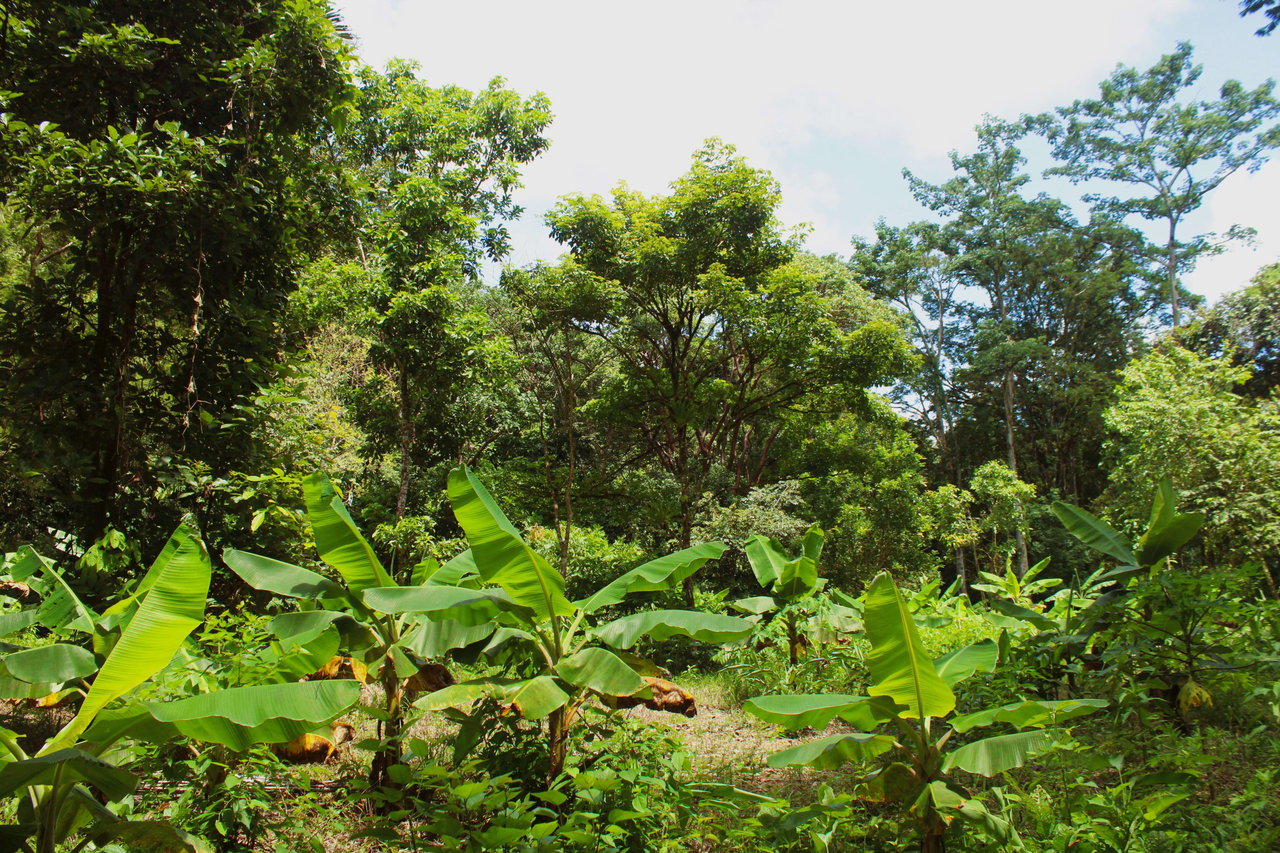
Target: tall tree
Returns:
[1143, 131]
[431, 176]
[1022, 313]
[717, 328]
[158, 156]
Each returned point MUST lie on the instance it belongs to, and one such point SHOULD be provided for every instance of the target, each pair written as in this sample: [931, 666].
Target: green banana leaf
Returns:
[18, 620]
[239, 717]
[829, 753]
[53, 663]
[338, 540]
[457, 571]
[537, 697]
[766, 557]
[600, 670]
[1029, 712]
[1094, 532]
[170, 610]
[281, 578]
[1026, 614]
[656, 575]
[59, 607]
[798, 579]
[950, 804]
[898, 665]
[756, 605]
[432, 639]
[303, 624]
[956, 666]
[663, 624]
[1168, 529]
[816, 711]
[147, 836]
[993, 755]
[303, 654]
[468, 606]
[501, 556]
[811, 544]
[66, 766]
[895, 782]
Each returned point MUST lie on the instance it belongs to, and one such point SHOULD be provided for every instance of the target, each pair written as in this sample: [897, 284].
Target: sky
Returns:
[834, 97]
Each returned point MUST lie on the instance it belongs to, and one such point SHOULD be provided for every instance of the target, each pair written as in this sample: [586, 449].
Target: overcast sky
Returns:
[835, 97]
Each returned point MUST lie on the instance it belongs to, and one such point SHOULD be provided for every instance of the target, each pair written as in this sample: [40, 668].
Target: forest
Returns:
[320, 534]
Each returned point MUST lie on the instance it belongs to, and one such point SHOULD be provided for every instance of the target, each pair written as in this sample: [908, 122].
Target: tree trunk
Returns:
[557, 742]
[404, 415]
[1019, 536]
[1171, 270]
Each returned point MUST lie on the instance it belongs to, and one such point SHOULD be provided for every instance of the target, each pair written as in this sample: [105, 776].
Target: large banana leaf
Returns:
[433, 639]
[1168, 529]
[766, 557]
[600, 670]
[1029, 712]
[338, 540]
[663, 624]
[798, 711]
[169, 611]
[993, 755]
[1094, 532]
[1026, 614]
[660, 574]
[281, 578]
[302, 624]
[535, 697]
[949, 804]
[67, 765]
[756, 605]
[60, 607]
[829, 753]
[798, 579]
[468, 606]
[57, 662]
[501, 556]
[898, 665]
[147, 836]
[18, 620]
[268, 713]
[956, 666]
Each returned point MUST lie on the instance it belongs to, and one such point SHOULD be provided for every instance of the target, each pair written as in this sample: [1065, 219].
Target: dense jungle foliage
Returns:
[316, 538]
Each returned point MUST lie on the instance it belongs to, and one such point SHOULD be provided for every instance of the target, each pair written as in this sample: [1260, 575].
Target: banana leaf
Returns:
[239, 717]
[993, 755]
[899, 667]
[662, 624]
[600, 670]
[500, 555]
[829, 753]
[170, 610]
[661, 574]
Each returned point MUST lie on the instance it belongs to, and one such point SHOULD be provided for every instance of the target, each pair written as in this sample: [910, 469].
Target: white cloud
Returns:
[1241, 200]
[814, 91]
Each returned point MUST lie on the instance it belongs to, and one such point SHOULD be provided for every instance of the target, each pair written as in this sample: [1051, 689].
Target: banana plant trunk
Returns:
[389, 748]
[793, 639]
[557, 742]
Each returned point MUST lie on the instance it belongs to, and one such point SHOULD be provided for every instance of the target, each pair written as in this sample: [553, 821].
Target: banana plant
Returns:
[568, 657]
[790, 582]
[61, 786]
[336, 615]
[1161, 616]
[908, 710]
